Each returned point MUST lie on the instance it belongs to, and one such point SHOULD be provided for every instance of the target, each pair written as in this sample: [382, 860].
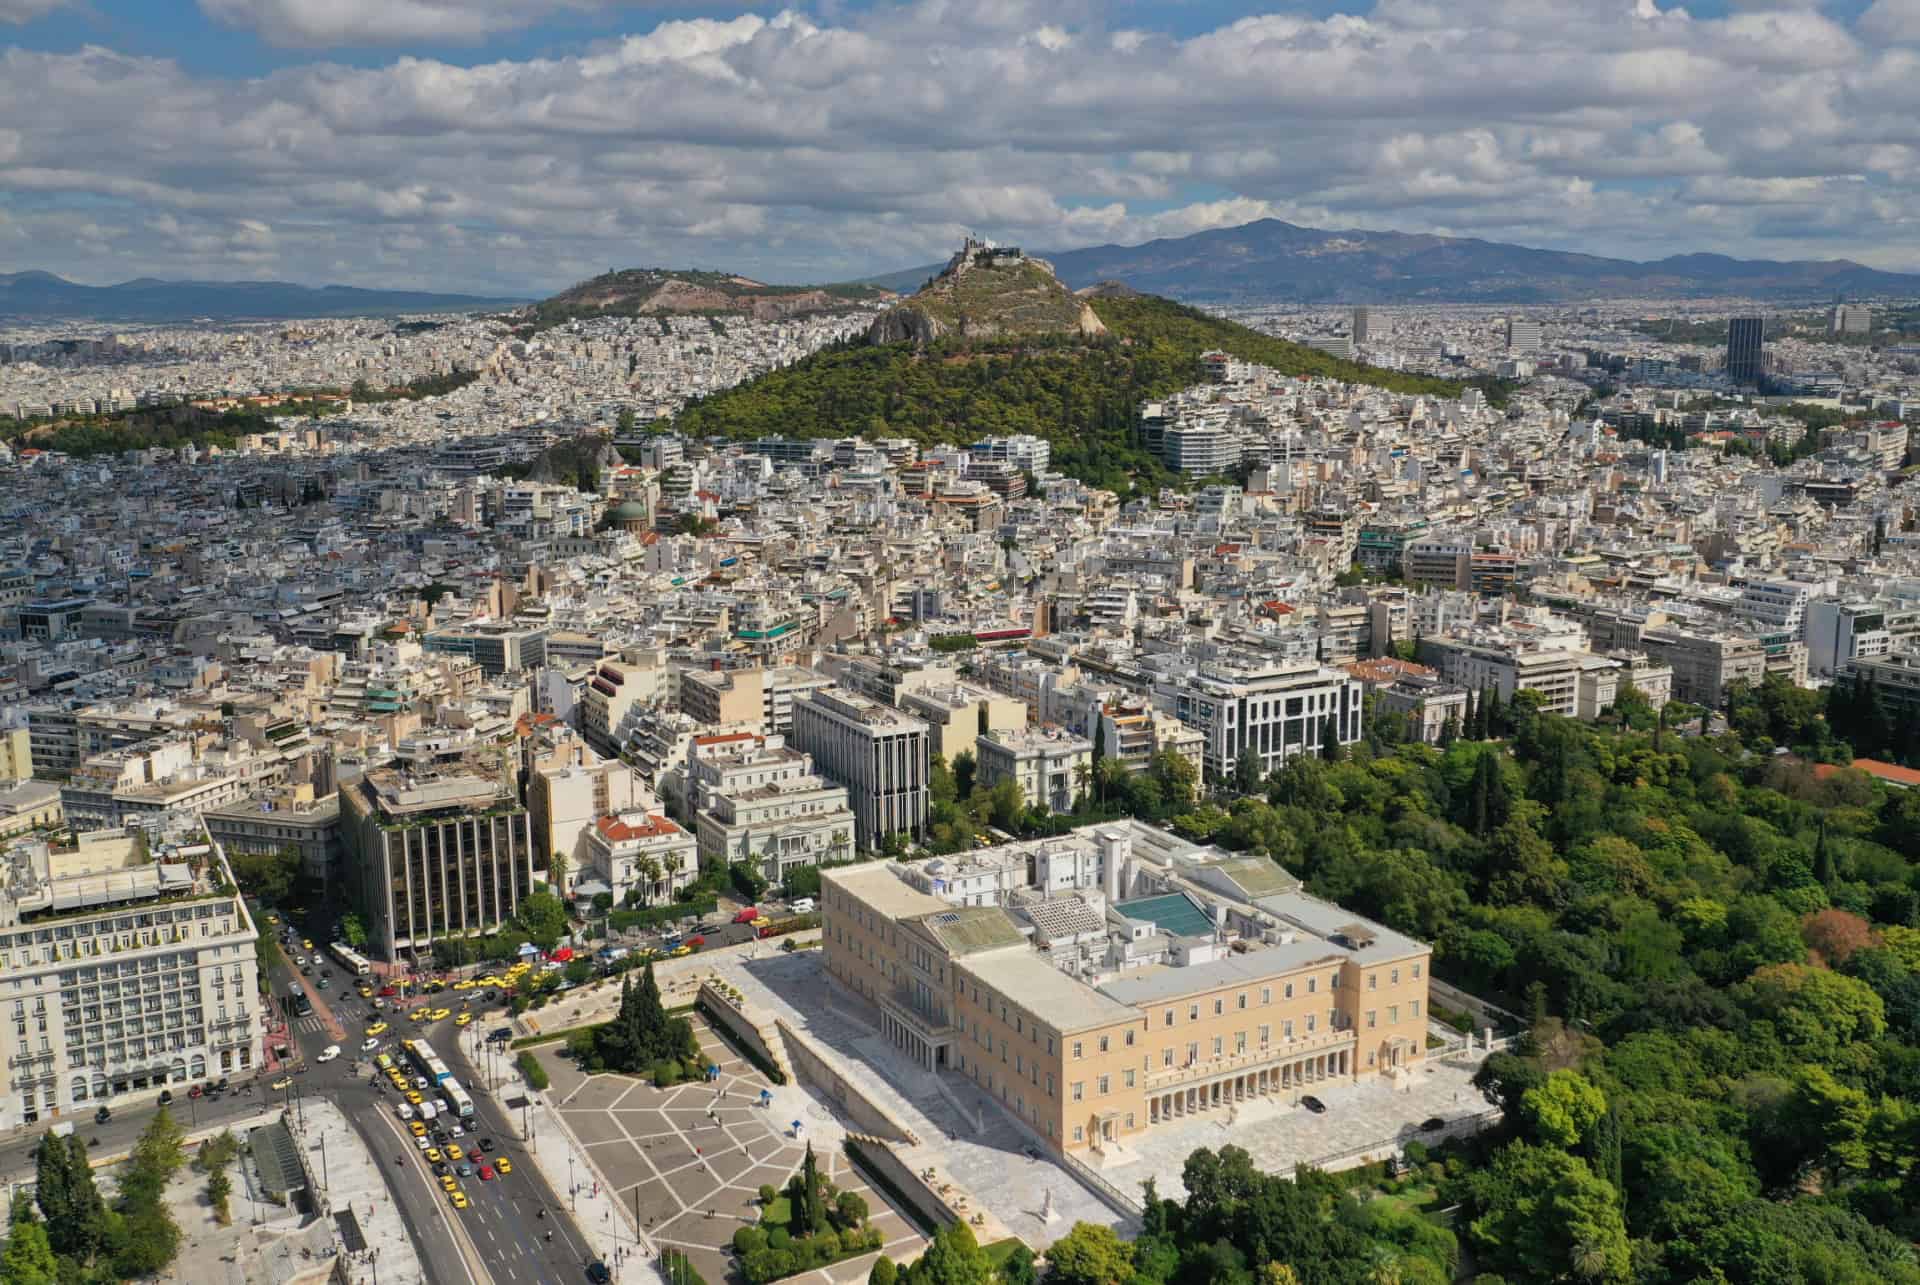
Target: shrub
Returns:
[767, 1193]
[530, 1067]
[778, 1212]
[666, 1074]
[883, 1273]
[779, 1238]
[850, 1209]
[749, 1240]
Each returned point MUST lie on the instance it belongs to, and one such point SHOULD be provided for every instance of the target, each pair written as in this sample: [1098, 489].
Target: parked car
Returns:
[1314, 1104]
[747, 915]
[166, 1097]
[1432, 1124]
[802, 906]
[102, 1116]
[597, 1273]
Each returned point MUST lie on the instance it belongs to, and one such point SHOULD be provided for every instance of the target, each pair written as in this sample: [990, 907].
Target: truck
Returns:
[747, 915]
[428, 1108]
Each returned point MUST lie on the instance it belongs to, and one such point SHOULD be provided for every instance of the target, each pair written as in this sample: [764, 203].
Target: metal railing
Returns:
[1272, 1054]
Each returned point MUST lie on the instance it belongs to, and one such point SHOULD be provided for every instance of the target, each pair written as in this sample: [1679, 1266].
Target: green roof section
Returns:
[1259, 876]
[1173, 914]
[968, 930]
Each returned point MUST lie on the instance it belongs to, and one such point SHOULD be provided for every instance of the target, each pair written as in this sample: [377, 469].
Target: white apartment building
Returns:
[125, 975]
[1050, 766]
[615, 688]
[1840, 632]
[1554, 674]
[880, 754]
[1277, 709]
[1776, 605]
[758, 801]
[640, 852]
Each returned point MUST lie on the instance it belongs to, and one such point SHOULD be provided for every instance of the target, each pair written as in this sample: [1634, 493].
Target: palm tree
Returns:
[1589, 1261]
[649, 868]
[840, 845]
[673, 861]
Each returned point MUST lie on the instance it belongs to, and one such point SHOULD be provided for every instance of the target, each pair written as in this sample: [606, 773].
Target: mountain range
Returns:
[1269, 260]
[41, 296]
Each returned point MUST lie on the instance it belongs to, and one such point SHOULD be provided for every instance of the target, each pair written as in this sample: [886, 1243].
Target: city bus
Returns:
[439, 1076]
[350, 959]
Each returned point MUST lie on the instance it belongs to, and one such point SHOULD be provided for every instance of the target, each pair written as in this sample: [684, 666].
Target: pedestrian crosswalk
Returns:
[312, 1024]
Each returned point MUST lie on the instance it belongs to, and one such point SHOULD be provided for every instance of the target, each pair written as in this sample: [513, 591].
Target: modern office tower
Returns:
[1523, 335]
[1746, 349]
[128, 973]
[878, 753]
[1362, 327]
[447, 851]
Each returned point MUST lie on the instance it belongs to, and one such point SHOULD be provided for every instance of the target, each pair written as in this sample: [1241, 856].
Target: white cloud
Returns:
[812, 147]
[24, 11]
[378, 22]
[1894, 21]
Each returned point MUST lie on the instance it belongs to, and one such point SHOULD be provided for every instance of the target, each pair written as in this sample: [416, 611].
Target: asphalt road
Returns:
[504, 1222]
[120, 1133]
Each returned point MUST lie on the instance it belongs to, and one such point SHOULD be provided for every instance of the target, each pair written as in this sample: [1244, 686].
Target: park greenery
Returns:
[808, 1226]
[641, 1038]
[1083, 395]
[68, 1232]
[1714, 950]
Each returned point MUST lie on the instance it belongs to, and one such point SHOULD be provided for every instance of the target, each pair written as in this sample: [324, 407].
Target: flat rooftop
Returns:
[886, 892]
[1056, 999]
[1159, 983]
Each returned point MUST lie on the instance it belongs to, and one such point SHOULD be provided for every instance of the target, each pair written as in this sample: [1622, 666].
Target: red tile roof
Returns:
[1891, 773]
[617, 830]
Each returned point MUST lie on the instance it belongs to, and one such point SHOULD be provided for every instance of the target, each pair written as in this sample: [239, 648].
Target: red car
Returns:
[486, 1173]
[387, 991]
[748, 915]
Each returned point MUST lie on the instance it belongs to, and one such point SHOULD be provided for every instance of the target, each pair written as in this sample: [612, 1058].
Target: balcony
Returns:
[1270, 1054]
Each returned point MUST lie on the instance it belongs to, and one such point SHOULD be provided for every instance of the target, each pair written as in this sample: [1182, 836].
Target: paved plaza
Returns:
[1363, 1121]
[687, 1162]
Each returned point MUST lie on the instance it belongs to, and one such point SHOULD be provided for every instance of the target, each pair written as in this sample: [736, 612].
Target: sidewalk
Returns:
[608, 1225]
[353, 1180]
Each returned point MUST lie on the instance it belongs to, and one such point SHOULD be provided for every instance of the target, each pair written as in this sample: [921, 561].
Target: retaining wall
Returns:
[865, 1114]
[720, 1009]
[907, 1185]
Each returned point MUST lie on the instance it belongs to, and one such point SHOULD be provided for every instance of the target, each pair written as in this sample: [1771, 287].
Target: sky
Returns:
[516, 146]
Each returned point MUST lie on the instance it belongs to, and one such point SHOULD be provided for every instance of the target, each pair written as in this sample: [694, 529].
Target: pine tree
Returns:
[53, 1186]
[1479, 800]
[1330, 739]
[1496, 723]
[1823, 868]
[29, 1258]
[650, 1019]
[1603, 1148]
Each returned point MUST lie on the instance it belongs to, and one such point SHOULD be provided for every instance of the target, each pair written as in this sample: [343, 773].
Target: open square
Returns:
[688, 1162]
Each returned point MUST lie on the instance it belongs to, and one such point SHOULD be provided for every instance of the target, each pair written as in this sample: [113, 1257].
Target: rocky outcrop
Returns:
[905, 324]
[1091, 327]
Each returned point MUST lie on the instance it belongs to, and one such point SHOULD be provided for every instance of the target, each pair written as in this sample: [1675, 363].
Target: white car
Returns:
[369, 1046]
[423, 1142]
[328, 1053]
[299, 961]
[420, 1082]
[457, 1131]
[405, 1110]
[802, 906]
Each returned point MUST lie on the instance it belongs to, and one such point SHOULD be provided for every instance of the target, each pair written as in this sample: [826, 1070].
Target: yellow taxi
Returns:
[449, 1183]
[761, 922]
[454, 1153]
[502, 1165]
[378, 1028]
[366, 992]
[463, 985]
[304, 942]
[419, 1014]
[439, 1015]
[384, 1061]
[433, 1155]
[463, 1019]
[678, 951]
[413, 1096]
[460, 1200]
[417, 1129]
[397, 1080]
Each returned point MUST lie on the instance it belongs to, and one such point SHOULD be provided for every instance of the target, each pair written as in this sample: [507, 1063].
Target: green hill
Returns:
[1081, 394]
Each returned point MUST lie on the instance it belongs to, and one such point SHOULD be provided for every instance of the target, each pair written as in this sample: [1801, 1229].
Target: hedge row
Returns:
[653, 916]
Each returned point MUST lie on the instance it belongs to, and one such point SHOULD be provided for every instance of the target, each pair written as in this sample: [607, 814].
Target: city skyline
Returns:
[511, 145]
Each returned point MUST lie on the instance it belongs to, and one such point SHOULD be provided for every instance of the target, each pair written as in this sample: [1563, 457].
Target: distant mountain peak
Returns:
[1270, 260]
[42, 296]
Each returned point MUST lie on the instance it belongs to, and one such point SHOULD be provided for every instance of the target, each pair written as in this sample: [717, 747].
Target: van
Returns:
[803, 906]
[429, 1109]
[747, 915]
[405, 1111]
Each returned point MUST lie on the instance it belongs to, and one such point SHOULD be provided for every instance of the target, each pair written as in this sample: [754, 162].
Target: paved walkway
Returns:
[965, 1136]
[1364, 1121]
[684, 1165]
